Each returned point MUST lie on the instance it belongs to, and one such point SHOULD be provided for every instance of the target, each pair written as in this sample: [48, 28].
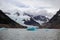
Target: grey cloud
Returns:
[45, 13]
[7, 4]
[54, 3]
[41, 12]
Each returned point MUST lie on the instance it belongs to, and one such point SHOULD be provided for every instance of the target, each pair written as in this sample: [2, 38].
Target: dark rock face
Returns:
[7, 13]
[17, 13]
[34, 23]
[31, 22]
[6, 22]
[55, 21]
[41, 18]
[28, 15]
[38, 17]
[56, 17]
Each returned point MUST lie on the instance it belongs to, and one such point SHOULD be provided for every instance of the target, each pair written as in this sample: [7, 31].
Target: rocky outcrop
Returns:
[31, 22]
[17, 13]
[54, 22]
[41, 18]
[7, 22]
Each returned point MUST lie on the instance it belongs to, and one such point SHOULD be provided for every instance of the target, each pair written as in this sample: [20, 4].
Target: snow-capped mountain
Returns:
[39, 18]
[31, 22]
[27, 19]
[7, 22]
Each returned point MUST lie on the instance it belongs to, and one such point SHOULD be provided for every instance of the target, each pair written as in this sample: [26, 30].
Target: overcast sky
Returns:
[31, 5]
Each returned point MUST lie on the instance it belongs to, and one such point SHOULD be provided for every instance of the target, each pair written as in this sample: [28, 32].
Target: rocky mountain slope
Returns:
[7, 22]
[55, 21]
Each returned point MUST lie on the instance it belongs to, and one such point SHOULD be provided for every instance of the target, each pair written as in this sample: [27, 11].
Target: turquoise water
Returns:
[32, 28]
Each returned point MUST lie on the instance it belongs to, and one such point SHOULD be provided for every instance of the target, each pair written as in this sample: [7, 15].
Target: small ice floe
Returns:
[32, 28]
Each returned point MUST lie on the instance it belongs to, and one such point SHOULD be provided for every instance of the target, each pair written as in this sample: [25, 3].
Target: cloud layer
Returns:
[49, 7]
